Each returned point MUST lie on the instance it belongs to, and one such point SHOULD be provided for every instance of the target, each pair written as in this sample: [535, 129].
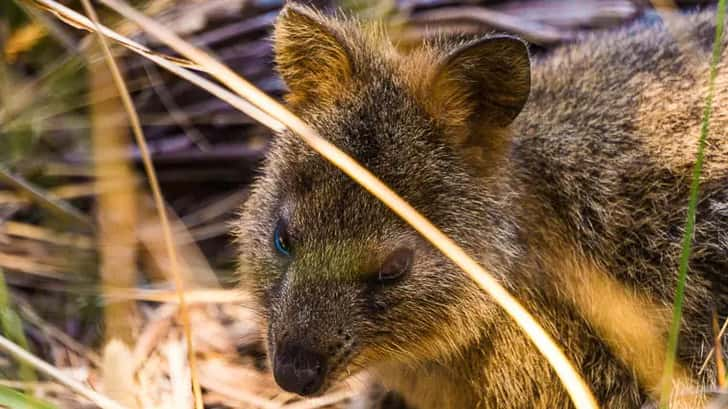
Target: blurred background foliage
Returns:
[79, 240]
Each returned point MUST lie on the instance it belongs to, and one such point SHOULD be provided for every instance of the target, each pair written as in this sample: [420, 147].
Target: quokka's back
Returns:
[608, 141]
[568, 181]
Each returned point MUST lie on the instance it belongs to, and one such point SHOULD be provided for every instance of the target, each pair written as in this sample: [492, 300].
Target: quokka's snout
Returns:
[308, 339]
[299, 369]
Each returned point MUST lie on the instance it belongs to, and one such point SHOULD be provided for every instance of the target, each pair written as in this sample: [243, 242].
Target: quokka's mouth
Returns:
[307, 373]
[299, 369]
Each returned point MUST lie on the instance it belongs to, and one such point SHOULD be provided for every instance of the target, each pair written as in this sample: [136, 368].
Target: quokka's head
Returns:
[342, 283]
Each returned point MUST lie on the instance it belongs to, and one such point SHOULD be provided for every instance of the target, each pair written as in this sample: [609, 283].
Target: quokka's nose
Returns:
[299, 370]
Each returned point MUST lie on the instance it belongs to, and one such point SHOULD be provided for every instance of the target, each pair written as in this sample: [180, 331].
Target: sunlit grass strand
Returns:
[13, 399]
[687, 242]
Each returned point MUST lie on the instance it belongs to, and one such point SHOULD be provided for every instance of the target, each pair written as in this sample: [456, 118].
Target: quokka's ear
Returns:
[484, 83]
[310, 54]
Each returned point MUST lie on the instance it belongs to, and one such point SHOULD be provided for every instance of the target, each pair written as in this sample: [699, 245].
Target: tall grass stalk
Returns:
[58, 375]
[116, 210]
[12, 399]
[158, 201]
[687, 243]
[12, 327]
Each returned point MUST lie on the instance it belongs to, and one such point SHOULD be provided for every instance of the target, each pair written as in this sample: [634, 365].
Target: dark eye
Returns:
[396, 265]
[281, 240]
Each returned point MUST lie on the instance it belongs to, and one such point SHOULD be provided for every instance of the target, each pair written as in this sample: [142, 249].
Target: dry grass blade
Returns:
[73, 19]
[159, 202]
[575, 385]
[201, 296]
[30, 266]
[116, 214]
[45, 199]
[720, 365]
[32, 232]
[166, 63]
[54, 373]
[720, 335]
[272, 114]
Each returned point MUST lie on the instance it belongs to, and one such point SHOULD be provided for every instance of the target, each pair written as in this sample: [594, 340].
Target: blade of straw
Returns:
[56, 374]
[158, 201]
[76, 20]
[59, 207]
[166, 63]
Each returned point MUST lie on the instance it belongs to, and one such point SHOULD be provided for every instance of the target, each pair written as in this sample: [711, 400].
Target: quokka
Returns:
[566, 176]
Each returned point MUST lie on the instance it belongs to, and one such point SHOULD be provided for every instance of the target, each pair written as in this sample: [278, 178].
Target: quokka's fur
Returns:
[577, 206]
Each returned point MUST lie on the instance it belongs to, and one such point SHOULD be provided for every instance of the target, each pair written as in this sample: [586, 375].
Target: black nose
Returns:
[299, 370]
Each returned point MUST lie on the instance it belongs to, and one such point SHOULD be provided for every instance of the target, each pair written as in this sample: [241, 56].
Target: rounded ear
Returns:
[311, 57]
[485, 82]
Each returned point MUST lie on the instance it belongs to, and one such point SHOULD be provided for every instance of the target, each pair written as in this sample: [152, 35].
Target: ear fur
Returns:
[310, 54]
[484, 83]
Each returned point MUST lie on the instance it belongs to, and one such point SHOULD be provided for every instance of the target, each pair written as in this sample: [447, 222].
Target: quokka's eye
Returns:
[281, 239]
[396, 265]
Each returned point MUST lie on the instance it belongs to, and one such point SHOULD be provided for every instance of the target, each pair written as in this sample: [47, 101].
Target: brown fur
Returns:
[577, 206]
